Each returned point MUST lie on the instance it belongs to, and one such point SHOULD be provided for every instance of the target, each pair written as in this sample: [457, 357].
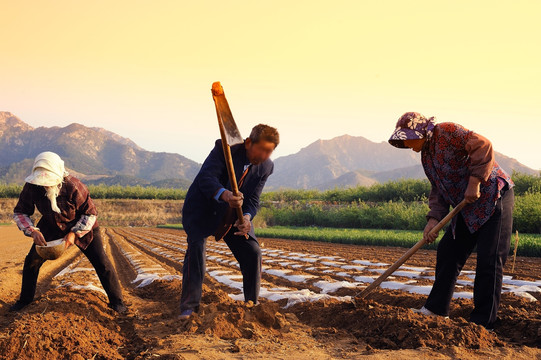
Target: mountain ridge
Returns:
[348, 161]
[91, 152]
[109, 158]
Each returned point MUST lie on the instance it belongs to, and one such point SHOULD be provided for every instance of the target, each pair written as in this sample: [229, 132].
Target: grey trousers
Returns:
[246, 251]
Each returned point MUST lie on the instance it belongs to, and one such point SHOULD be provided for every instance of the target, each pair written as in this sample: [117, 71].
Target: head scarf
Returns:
[48, 170]
[412, 126]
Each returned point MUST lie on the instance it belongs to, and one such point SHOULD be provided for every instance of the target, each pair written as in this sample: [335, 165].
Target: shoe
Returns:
[250, 304]
[185, 314]
[119, 307]
[18, 306]
[425, 311]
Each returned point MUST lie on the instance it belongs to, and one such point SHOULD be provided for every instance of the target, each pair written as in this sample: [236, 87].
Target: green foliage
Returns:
[289, 195]
[390, 215]
[10, 191]
[402, 190]
[529, 244]
[393, 205]
[135, 192]
[400, 215]
[172, 226]
[526, 183]
[405, 190]
[373, 237]
[527, 214]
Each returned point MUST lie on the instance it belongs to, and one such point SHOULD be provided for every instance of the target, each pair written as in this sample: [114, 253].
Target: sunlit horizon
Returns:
[315, 70]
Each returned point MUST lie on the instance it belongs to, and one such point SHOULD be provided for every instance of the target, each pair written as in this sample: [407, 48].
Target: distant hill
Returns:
[89, 152]
[349, 179]
[417, 172]
[99, 156]
[348, 161]
[323, 161]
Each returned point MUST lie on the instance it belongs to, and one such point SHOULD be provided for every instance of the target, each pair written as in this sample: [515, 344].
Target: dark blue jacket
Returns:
[201, 213]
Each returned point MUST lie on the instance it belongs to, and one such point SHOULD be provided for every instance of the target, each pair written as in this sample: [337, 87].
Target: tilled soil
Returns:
[70, 319]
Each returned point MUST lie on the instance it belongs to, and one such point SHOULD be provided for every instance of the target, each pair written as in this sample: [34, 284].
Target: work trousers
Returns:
[246, 251]
[97, 257]
[493, 242]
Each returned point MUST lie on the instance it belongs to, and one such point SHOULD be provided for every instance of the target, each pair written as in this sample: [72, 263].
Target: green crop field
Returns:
[337, 214]
[529, 244]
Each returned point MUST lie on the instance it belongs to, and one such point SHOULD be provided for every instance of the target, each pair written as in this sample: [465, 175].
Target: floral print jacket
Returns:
[449, 158]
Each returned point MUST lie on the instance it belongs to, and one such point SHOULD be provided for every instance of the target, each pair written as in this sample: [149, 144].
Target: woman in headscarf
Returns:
[460, 165]
[68, 212]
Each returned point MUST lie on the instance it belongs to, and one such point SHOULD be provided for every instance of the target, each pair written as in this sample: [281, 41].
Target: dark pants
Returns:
[247, 253]
[97, 257]
[493, 242]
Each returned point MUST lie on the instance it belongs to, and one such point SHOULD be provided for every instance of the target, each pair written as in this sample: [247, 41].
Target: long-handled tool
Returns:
[230, 136]
[410, 252]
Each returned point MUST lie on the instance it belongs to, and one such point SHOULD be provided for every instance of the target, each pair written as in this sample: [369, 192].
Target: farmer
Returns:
[460, 165]
[67, 211]
[208, 210]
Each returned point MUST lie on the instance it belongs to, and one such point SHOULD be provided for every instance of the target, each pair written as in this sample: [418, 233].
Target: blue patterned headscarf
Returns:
[412, 126]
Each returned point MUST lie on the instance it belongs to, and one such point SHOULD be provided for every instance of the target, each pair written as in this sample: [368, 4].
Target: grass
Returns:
[407, 190]
[360, 215]
[376, 237]
[172, 226]
[5, 224]
[529, 244]
[383, 215]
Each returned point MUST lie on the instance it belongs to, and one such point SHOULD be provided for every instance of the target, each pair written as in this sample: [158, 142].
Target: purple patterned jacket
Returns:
[449, 158]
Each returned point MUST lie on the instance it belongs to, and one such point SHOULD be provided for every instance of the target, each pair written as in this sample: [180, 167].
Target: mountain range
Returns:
[88, 152]
[347, 161]
[99, 156]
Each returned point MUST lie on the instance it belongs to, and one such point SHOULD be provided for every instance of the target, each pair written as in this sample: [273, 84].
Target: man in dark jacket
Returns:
[208, 207]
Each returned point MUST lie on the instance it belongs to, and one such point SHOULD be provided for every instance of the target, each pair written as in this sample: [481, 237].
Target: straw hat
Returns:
[48, 170]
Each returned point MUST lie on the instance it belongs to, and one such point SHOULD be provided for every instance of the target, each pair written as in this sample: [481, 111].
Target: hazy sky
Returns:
[314, 69]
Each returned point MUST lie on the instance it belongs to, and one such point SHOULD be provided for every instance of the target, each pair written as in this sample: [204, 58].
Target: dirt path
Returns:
[306, 309]
[14, 247]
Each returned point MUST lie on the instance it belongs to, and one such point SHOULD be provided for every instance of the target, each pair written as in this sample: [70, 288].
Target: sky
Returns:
[313, 69]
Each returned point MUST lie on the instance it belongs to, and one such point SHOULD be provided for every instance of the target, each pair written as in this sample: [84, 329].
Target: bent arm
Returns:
[481, 155]
[23, 210]
[24, 223]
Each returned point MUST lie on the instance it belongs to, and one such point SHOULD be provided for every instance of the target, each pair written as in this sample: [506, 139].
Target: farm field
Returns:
[307, 308]
[529, 244]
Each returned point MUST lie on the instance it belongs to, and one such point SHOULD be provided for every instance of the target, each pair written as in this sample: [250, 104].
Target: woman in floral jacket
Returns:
[460, 165]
